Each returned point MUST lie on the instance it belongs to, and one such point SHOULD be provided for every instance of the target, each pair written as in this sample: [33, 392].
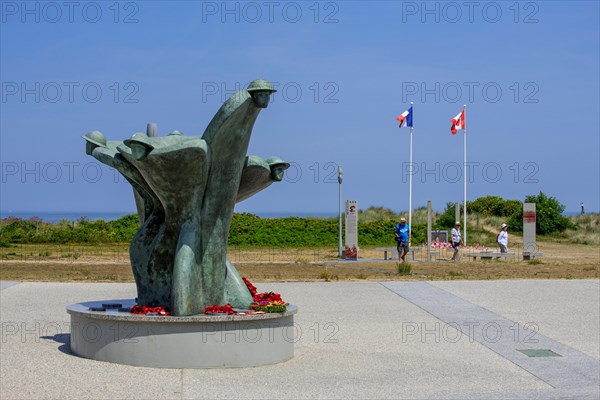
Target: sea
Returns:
[50, 216]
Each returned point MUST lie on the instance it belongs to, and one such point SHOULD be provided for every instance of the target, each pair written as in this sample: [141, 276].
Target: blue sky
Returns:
[527, 71]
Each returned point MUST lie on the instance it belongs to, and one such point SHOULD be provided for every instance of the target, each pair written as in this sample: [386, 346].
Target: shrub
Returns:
[512, 207]
[494, 206]
[251, 230]
[487, 206]
[447, 219]
[327, 277]
[404, 268]
[549, 218]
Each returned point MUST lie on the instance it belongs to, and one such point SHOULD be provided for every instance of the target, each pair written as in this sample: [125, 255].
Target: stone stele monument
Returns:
[187, 187]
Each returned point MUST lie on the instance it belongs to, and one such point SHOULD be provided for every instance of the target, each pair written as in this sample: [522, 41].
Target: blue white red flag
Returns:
[406, 118]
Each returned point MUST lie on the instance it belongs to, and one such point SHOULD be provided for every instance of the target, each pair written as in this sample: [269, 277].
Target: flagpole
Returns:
[410, 179]
[465, 177]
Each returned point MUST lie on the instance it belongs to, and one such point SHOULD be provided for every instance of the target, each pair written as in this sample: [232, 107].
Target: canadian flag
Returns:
[458, 122]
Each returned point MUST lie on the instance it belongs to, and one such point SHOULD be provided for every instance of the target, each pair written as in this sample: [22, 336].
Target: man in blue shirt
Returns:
[402, 232]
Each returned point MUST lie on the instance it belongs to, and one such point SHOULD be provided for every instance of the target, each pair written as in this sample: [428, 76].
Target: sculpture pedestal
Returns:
[199, 341]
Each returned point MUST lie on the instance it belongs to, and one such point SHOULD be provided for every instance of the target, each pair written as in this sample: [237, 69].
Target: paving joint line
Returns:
[570, 362]
[462, 332]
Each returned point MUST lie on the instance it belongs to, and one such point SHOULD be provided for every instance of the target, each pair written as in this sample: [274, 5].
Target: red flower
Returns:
[263, 298]
[145, 310]
[226, 309]
[250, 286]
[268, 297]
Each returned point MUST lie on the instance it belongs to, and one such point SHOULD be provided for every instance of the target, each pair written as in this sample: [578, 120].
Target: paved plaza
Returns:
[368, 340]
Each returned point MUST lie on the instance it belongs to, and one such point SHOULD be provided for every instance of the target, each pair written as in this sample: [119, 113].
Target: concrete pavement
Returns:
[447, 340]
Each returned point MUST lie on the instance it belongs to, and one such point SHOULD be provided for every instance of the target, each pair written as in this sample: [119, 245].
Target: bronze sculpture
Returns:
[188, 186]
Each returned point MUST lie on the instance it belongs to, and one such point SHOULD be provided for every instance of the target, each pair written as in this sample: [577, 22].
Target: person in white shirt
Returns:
[502, 239]
[456, 239]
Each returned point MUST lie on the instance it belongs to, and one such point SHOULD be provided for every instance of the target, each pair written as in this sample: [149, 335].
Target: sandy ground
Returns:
[111, 263]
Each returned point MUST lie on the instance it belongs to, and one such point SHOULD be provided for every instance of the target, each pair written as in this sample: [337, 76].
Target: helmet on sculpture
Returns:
[276, 161]
[95, 137]
[278, 166]
[139, 138]
[260, 84]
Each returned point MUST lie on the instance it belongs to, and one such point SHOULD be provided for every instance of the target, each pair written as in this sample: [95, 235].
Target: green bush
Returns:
[246, 230]
[515, 222]
[549, 218]
[487, 206]
[512, 207]
[494, 206]
[447, 219]
[124, 228]
[251, 230]
[376, 226]
[34, 230]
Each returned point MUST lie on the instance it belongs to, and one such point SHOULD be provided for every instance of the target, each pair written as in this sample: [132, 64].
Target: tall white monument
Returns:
[529, 218]
[351, 248]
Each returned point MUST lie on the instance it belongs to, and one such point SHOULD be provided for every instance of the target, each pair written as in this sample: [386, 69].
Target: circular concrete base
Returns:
[199, 341]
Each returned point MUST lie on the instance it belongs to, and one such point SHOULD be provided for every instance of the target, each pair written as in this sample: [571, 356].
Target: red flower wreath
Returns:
[259, 299]
[145, 310]
[226, 309]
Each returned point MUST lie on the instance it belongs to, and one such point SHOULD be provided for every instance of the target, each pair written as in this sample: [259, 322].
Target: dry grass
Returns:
[111, 263]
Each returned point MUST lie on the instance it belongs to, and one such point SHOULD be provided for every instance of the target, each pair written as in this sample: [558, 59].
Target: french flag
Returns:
[458, 122]
[406, 118]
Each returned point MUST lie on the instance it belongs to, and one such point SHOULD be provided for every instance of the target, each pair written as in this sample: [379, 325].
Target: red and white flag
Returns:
[458, 122]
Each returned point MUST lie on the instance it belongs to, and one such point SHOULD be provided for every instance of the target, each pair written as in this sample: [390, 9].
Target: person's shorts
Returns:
[456, 245]
[503, 248]
[403, 246]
